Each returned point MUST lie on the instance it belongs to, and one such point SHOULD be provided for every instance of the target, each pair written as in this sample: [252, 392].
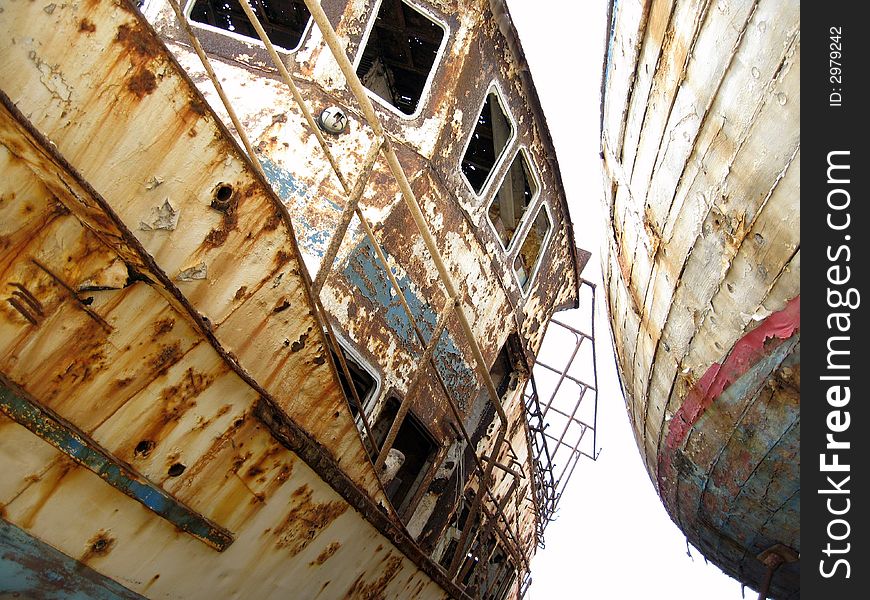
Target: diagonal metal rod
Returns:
[412, 204]
[346, 216]
[217, 85]
[412, 390]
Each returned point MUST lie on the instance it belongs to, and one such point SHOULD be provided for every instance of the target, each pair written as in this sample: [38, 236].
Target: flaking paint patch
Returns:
[315, 218]
[746, 352]
[365, 273]
[51, 77]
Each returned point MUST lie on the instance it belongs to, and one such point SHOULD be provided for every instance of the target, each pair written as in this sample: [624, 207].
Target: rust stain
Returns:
[282, 257]
[151, 581]
[216, 237]
[51, 486]
[167, 356]
[89, 359]
[272, 222]
[197, 106]
[178, 398]
[138, 40]
[123, 382]
[375, 590]
[306, 520]
[86, 26]
[326, 554]
[142, 83]
[163, 326]
[99, 545]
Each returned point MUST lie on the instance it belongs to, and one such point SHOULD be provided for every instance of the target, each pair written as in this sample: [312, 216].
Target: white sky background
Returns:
[612, 539]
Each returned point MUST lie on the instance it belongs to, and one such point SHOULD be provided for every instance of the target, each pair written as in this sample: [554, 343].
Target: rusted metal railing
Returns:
[546, 446]
[453, 306]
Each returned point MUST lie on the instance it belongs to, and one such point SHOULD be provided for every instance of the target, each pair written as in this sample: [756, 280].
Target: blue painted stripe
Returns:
[365, 271]
[15, 403]
[30, 568]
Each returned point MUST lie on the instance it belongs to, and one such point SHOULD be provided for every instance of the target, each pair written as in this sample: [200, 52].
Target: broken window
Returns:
[499, 575]
[532, 249]
[489, 139]
[411, 457]
[517, 191]
[504, 375]
[454, 531]
[399, 54]
[363, 380]
[284, 20]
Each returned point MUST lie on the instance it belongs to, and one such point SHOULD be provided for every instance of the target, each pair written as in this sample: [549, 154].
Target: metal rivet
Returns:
[333, 120]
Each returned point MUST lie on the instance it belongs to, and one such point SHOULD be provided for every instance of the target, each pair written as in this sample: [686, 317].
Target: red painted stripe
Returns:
[745, 353]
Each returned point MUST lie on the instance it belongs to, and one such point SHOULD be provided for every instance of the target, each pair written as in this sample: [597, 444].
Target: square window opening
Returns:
[504, 377]
[363, 381]
[405, 471]
[517, 191]
[532, 250]
[399, 55]
[285, 21]
[490, 137]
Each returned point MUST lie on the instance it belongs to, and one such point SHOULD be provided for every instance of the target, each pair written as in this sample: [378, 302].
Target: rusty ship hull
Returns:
[184, 312]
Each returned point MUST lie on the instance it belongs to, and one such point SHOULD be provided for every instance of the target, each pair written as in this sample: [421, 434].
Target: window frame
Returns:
[544, 244]
[533, 168]
[497, 167]
[245, 39]
[439, 57]
[370, 401]
[414, 422]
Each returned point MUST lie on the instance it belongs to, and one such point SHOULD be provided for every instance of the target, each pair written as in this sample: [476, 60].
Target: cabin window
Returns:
[399, 55]
[517, 191]
[504, 377]
[529, 257]
[457, 525]
[284, 20]
[363, 380]
[499, 575]
[490, 137]
[416, 446]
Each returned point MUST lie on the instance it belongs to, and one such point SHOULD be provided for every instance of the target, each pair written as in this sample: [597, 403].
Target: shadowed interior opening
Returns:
[491, 134]
[284, 20]
[399, 55]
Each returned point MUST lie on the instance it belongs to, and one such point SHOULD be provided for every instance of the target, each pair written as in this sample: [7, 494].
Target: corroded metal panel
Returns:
[235, 263]
[165, 410]
[481, 49]
[199, 321]
[701, 142]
